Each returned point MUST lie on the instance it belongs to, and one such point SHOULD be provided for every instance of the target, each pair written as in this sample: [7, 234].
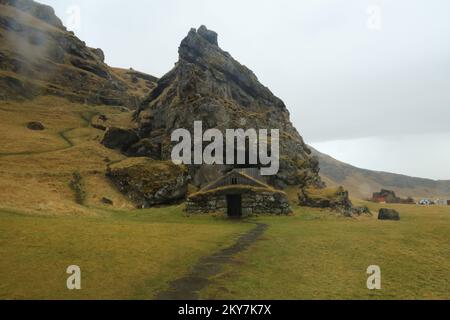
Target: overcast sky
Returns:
[367, 82]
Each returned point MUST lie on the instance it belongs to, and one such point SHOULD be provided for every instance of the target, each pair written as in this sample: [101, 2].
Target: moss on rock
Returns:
[148, 182]
[333, 198]
[325, 198]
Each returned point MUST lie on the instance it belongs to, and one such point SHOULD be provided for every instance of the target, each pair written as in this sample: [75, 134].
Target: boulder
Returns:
[388, 214]
[148, 182]
[146, 148]
[361, 210]
[118, 138]
[107, 201]
[35, 125]
[98, 53]
[209, 35]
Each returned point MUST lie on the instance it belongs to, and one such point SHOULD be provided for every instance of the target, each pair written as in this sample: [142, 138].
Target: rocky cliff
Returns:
[38, 56]
[208, 85]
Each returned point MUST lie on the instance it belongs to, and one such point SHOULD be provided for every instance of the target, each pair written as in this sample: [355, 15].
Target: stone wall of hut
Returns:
[262, 203]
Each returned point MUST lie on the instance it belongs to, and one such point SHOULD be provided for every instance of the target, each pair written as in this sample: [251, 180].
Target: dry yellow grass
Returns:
[317, 255]
[140, 87]
[122, 255]
[36, 166]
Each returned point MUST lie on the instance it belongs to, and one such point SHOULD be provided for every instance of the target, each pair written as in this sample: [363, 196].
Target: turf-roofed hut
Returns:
[239, 193]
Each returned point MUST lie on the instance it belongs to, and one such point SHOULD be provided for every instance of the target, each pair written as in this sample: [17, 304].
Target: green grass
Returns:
[121, 255]
[312, 255]
[315, 255]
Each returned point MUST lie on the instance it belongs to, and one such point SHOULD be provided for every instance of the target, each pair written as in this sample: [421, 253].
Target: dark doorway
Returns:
[234, 203]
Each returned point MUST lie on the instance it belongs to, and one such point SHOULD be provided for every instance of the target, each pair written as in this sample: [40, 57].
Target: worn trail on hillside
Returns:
[188, 287]
[62, 134]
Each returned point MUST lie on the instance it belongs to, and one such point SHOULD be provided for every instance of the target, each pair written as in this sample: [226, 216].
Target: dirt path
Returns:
[187, 288]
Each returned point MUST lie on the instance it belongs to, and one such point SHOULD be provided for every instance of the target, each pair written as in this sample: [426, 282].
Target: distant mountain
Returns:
[362, 183]
[38, 56]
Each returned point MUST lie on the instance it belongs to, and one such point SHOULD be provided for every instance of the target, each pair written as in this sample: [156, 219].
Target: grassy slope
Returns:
[36, 166]
[317, 256]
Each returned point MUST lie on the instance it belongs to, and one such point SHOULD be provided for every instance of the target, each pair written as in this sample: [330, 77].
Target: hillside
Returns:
[37, 167]
[38, 56]
[50, 77]
[362, 183]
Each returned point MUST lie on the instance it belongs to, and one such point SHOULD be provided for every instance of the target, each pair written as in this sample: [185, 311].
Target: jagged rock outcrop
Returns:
[39, 56]
[330, 198]
[336, 198]
[208, 85]
[128, 142]
[148, 183]
[37, 10]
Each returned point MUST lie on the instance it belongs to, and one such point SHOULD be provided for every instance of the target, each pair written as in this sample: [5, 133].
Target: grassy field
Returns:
[312, 255]
[127, 255]
[315, 255]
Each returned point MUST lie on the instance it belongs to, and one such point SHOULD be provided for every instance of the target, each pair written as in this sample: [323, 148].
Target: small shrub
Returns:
[76, 184]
